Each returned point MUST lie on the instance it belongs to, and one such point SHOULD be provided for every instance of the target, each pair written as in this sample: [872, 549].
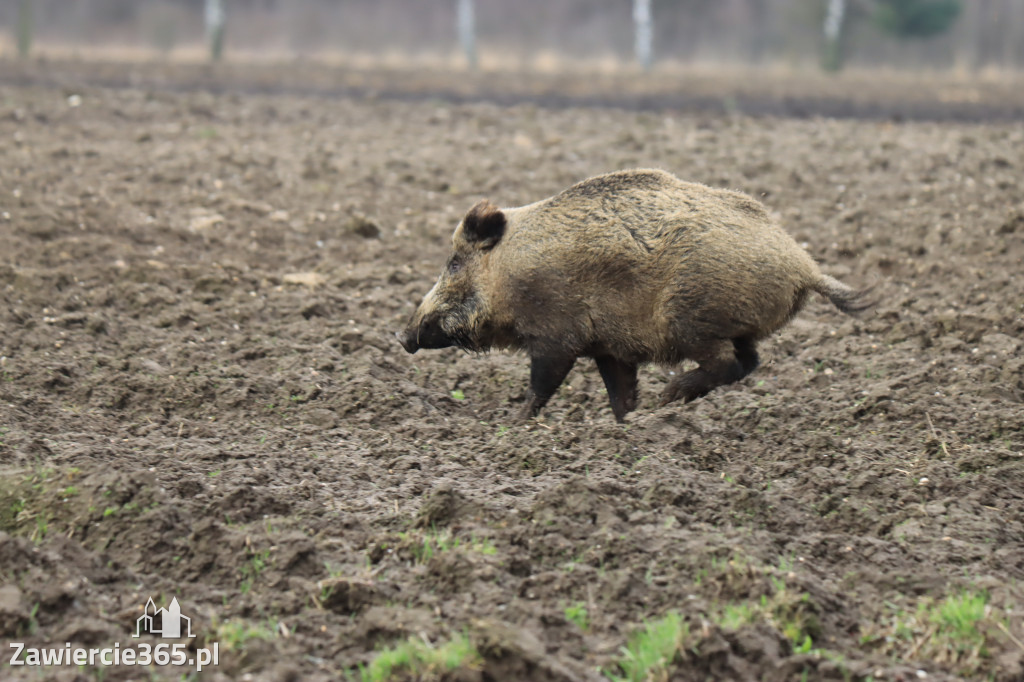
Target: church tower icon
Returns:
[170, 621]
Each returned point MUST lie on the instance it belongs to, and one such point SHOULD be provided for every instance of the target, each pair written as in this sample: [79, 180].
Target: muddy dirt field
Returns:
[202, 397]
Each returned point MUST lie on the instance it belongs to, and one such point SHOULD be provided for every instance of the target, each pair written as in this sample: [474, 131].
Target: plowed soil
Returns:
[202, 397]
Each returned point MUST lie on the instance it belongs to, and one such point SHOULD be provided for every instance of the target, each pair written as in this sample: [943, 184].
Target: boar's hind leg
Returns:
[546, 375]
[620, 380]
[723, 365]
[746, 355]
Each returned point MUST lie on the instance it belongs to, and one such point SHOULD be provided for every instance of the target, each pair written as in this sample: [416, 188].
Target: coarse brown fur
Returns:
[630, 267]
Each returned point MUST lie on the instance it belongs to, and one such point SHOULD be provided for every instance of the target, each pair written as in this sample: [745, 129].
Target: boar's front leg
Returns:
[620, 380]
[546, 374]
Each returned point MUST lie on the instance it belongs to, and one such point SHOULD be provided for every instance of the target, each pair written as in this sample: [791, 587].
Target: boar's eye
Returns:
[454, 265]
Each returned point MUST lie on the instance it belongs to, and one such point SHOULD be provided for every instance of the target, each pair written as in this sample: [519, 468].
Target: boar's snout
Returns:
[408, 339]
[425, 334]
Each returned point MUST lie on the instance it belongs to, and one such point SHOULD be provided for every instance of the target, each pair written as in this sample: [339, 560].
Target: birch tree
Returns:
[644, 33]
[215, 19]
[466, 25]
[835, 19]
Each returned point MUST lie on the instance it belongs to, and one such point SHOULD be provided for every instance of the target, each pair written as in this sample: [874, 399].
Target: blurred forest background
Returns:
[960, 35]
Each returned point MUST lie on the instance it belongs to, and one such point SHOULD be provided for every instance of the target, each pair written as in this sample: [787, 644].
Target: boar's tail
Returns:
[845, 298]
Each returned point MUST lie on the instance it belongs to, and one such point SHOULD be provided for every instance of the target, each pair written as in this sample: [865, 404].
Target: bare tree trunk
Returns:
[466, 21]
[759, 14]
[835, 18]
[24, 28]
[988, 36]
[966, 49]
[642, 24]
[215, 19]
[1012, 27]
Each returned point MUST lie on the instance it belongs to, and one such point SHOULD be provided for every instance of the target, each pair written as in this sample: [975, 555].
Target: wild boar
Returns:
[627, 268]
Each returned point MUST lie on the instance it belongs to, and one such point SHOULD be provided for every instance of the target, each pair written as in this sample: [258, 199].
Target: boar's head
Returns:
[456, 312]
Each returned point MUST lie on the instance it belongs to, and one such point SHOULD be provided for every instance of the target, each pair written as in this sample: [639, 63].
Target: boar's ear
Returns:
[484, 225]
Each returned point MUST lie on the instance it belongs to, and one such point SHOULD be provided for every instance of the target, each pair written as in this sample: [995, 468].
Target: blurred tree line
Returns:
[938, 34]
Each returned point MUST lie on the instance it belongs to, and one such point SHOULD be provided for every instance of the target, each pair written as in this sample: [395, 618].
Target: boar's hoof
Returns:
[530, 410]
[688, 386]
